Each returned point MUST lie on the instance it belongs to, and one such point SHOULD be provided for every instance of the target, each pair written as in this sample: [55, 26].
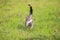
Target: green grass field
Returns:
[46, 20]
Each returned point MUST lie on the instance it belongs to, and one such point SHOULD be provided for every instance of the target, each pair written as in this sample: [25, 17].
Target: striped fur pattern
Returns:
[29, 21]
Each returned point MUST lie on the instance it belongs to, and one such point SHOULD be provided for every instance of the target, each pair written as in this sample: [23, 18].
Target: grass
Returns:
[46, 18]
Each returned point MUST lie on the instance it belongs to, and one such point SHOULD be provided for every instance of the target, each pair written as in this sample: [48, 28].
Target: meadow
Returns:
[46, 20]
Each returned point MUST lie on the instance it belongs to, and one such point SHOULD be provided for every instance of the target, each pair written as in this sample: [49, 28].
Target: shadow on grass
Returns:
[22, 27]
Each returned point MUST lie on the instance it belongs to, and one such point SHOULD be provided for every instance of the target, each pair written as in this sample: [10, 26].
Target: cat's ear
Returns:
[29, 5]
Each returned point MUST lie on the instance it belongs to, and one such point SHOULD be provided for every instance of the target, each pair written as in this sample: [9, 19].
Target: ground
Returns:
[46, 20]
